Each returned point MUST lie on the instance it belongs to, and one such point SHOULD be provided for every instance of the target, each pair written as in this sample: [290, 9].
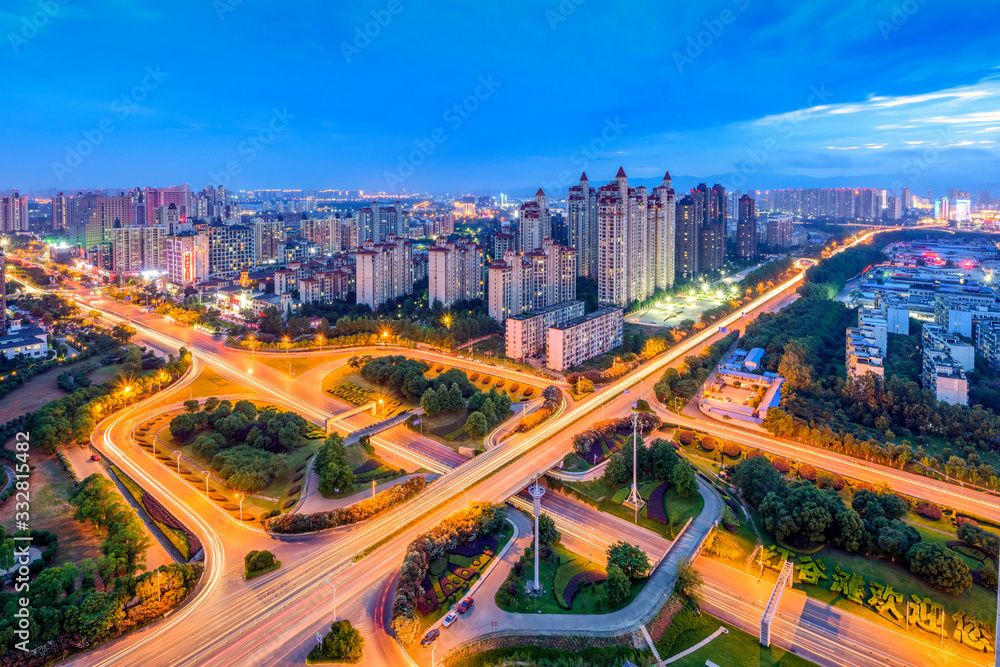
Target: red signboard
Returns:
[187, 267]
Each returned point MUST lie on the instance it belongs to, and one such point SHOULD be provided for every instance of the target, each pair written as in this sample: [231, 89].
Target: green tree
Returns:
[755, 478]
[430, 403]
[123, 333]
[689, 581]
[617, 586]
[342, 644]
[940, 566]
[192, 405]
[632, 560]
[476, 426]
[547, 533]
[684, 480]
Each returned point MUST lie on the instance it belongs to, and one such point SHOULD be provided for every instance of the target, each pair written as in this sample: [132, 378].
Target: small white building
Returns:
[573, 342]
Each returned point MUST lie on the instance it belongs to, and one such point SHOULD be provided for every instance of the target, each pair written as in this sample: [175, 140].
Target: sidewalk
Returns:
[645, 605]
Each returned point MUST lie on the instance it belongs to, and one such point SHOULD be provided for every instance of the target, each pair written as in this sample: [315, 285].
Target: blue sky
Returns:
[267, 94]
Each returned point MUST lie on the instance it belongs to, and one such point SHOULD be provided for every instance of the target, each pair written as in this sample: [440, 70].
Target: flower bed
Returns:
[654, 506]
[484, 544]
[186, 542]
[579, 581]
[429, 601]
[367, 466]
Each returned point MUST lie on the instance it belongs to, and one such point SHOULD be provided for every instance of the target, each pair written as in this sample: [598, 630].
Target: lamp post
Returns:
[373, 489]
[334, 599]
[287, 346]
[208, 476]
[240, 496]
[381, 402]
[537, 491]
[634, 499]
[253, 349]
[178, 461]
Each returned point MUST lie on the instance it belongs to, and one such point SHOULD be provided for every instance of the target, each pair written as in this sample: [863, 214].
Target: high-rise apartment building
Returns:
[375, 223]
[746, 229]
[711, 206]
[534, 223]
[269, 241]
[530, 281]
[62, 212]
[139, 249]
[187, 258]
[779, 231]
[230, 249]
[686, 239]
[384, 271]
[157, 197]
[454, 271]
[14, 213]
[581, 225]
[327, 233]
[634, 240]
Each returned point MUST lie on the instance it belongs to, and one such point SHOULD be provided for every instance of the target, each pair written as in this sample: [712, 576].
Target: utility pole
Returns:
[537, 491]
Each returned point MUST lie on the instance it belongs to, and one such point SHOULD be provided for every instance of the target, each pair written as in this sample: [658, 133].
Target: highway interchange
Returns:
[273, 620]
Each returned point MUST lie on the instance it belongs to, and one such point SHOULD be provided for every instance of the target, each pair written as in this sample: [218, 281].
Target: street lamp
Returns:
[253, 348]
[287, 346]
[178, 461]
[240, 496]
[382, 403]
[208, 476]
[334, 599]
[373, 489]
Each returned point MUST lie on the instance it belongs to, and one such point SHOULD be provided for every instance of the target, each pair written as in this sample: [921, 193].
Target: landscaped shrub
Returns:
[929, 510]
[708, 443]
[808, 472]
[830, 480]
[304, 523]
[781, 464]
[731, 449]
[682, 622]
[686, 437]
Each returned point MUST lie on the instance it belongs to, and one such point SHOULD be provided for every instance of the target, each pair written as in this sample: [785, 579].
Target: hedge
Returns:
[360, 511]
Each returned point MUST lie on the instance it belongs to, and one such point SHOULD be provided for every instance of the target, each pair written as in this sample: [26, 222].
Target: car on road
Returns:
[450, 618]
[95, 457]
[430, 637]
[464, 605]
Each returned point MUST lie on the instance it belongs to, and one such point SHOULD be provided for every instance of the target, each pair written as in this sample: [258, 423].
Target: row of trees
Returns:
[804, 516]
[605, 430]
[365, 509]
[73, 417]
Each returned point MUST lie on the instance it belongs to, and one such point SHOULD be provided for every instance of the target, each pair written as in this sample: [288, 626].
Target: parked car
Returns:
[95, 457]
[450, 618]
[464, 605]
[430, 637]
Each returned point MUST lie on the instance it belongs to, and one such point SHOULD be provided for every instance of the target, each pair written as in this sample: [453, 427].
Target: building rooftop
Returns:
[577, 321]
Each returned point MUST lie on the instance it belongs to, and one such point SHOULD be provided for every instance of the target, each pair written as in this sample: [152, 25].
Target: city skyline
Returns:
[874, 110]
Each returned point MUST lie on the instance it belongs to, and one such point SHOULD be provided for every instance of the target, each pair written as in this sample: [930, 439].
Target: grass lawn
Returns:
[50, 510]
[357, 457]
[447, 429]
[300, 363]
[735, 648]
[589, 600]
[609, 499]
